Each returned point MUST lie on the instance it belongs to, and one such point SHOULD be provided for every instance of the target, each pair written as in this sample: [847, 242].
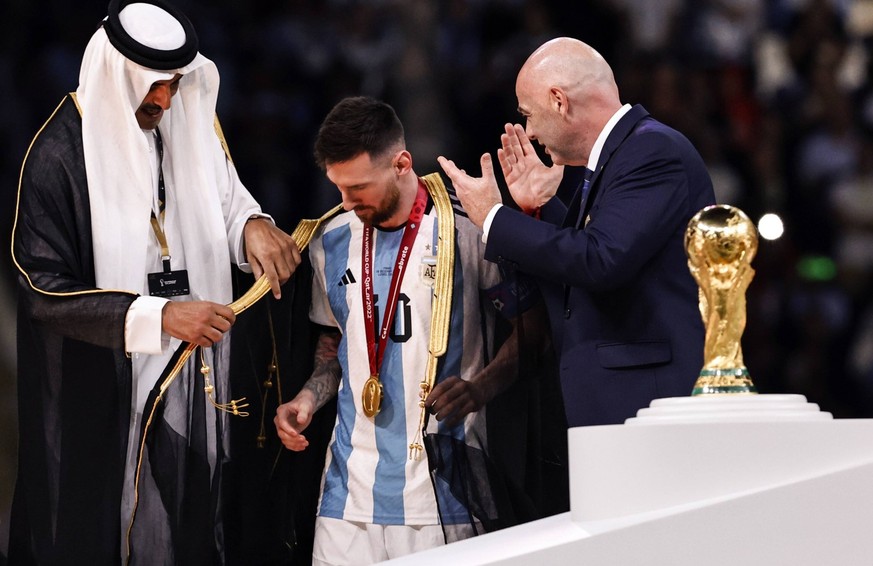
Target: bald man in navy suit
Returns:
[612, 267]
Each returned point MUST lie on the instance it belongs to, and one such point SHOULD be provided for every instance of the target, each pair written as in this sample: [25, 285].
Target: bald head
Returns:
[568, 90]
[572, 65]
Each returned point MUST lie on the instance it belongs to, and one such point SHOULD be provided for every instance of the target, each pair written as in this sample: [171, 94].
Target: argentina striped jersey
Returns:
[368, 475]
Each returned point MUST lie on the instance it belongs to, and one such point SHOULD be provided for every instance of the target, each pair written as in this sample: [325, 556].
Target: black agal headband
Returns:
[159, 59]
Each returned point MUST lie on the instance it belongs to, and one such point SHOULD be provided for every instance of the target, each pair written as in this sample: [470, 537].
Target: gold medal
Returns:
[371, 396]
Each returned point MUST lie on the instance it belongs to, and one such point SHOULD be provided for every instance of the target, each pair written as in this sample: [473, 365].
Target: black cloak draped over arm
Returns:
[73, 377]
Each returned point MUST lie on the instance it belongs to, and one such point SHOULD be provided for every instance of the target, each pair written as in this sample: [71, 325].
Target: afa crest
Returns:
[427, 270]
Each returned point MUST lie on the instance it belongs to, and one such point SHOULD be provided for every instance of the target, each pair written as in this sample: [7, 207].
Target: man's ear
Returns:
[402, 162]
[559, 101]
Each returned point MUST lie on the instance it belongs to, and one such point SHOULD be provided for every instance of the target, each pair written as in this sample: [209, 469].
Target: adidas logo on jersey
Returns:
[347, 278]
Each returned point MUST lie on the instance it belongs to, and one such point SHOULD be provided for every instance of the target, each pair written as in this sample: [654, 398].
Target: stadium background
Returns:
[775, 94]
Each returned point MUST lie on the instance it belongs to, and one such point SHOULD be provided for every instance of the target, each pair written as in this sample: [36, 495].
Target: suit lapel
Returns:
[616, 137]
[573, 208]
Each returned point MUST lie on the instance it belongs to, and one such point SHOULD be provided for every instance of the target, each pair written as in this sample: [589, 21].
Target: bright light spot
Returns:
[770, 227]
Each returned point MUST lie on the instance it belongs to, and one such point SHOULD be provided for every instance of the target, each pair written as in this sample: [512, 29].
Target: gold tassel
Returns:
[235, 405]
[272, 373]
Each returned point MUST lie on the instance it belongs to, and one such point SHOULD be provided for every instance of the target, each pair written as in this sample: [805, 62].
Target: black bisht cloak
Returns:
[73, 376]
[74, 384]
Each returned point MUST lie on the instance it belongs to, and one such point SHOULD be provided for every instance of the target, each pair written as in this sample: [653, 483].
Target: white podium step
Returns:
[705, 480]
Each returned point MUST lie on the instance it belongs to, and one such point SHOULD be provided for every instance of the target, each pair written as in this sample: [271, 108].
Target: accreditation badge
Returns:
[168, 283]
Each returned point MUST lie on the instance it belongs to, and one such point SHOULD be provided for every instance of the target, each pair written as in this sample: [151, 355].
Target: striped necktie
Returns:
[586, 185]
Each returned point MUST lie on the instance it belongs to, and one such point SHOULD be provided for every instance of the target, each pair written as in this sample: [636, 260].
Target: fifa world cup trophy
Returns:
[721, 242]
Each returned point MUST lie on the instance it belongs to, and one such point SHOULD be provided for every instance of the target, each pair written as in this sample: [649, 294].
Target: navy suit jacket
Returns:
[622, 303]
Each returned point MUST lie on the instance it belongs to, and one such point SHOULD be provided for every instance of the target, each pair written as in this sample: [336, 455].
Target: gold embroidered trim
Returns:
[441, 309]
[220, 133]
[72, 95]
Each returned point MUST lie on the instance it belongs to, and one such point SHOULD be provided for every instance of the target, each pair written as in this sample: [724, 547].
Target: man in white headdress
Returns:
[130, 214]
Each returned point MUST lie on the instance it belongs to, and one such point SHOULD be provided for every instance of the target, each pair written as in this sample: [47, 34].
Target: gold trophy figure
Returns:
[721, 242]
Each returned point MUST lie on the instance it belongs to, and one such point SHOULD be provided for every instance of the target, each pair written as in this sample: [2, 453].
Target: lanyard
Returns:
[162, 203]
[376, 350]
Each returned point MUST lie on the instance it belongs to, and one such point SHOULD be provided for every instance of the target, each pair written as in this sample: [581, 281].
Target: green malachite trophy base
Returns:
[724, 381]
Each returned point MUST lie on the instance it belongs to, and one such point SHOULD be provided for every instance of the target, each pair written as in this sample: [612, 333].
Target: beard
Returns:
[381, 214]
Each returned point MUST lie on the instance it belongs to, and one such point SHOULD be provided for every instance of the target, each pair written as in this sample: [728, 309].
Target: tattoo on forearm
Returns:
[327, 372]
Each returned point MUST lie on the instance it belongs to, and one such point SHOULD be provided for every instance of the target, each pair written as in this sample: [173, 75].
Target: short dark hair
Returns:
[357, 125]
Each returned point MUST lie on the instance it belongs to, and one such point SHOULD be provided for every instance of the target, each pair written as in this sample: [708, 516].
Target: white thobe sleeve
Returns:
[143, 333]
[238, 206]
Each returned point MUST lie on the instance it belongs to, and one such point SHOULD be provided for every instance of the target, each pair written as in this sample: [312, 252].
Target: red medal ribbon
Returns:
[376, 351]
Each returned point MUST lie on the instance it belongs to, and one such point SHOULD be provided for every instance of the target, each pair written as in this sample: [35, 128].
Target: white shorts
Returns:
[350, 543]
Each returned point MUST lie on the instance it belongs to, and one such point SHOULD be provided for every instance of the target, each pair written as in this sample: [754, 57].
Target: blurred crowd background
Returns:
[776, 95]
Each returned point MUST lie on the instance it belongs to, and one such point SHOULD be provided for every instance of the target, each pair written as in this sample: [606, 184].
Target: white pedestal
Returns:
[706, 480]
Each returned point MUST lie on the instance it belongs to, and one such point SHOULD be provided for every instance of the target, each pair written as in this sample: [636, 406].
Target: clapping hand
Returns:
[530, 182]
[478, 195]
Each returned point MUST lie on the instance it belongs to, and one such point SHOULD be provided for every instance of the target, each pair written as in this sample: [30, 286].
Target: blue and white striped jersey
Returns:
[368, 475]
